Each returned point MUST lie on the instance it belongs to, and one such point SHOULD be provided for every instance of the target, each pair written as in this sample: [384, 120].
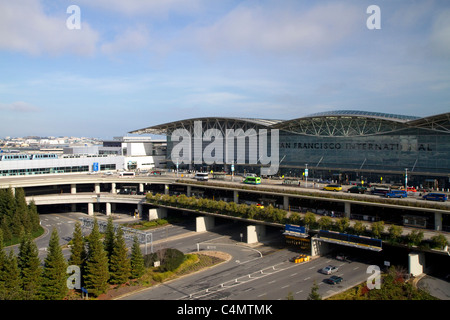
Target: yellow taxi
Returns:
[333, 187]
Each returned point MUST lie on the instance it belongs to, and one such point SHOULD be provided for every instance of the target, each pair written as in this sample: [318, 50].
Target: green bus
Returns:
[252, 180]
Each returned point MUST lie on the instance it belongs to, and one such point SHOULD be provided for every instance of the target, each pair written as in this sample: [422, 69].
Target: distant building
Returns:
[121, 154]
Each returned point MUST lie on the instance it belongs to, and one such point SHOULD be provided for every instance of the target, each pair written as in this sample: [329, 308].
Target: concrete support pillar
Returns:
[139, 209]
[90, 209]
[73, 188]
[236, 196]
[97, 188]
[73, 207]
[438, 221]
[416, 263]
[141, 187]
[189, 191]
[157, 213]
[319, 248]
[113, 188]
[255, 233]
[108, 208]
[347, 210]
[166, 189]
[286, 202]
[204, 223]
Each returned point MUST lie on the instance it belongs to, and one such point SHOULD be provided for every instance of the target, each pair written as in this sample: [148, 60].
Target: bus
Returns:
[201, 176]
[252, 180]
[127, 174]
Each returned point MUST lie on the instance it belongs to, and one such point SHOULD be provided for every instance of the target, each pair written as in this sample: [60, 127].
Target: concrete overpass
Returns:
[102, 189]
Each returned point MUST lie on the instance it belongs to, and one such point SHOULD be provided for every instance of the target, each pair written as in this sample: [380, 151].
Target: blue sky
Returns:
[138, 63]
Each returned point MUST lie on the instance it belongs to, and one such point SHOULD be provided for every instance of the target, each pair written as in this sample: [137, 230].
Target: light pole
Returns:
[406, 178]
[306, 174]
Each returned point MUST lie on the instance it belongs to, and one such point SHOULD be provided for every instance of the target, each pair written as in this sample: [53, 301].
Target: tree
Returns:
[343, 224]
[54, 277]
[314, 294]
[96, 272]
[325, 222]
[109, 238]
[12, 289]
[34, 216]
[120, 267]
[310, 219]
[78, 256]
[22, 211]
[439, 241]
[415, 237]
[3, 259]
[359, 228]
[137, 260]
[30, 269]
[377, 229]
[395, 232]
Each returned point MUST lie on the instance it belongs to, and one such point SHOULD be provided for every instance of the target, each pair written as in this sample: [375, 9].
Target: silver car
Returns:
[329, 269]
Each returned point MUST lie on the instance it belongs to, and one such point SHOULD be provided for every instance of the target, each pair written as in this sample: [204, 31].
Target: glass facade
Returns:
[339, 145]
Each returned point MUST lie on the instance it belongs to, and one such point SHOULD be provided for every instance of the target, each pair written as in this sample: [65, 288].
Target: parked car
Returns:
[411, 189]
[333, 187]
[357, 189]
[329, 269]
[397, 194]
[334, 280]
[435, 196]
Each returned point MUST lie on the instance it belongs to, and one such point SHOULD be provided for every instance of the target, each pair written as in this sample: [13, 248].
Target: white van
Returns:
[201, 176]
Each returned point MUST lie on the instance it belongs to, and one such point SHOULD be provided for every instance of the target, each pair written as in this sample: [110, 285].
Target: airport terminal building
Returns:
[342, 146]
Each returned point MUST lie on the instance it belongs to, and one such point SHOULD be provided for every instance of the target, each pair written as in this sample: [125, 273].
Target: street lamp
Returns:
[406, 178]
[306, 174]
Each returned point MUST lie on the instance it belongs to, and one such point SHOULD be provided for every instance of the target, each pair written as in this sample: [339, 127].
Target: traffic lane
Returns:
[296, 280]
[190, 284]
[438, 288]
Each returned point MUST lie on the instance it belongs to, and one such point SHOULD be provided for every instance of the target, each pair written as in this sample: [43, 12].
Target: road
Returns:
[253, 273]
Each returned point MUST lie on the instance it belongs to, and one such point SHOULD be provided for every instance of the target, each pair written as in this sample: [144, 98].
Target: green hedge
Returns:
[271, 214]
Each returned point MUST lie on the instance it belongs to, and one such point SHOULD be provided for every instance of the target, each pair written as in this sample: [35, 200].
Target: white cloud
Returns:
[18, 106]
[154, 8]
[129, 40]
[278, 29]
[25, 27]
[440, 36]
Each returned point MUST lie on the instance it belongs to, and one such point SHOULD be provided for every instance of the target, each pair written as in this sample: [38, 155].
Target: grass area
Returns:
[193, 262]
[16, 240]
[393, 287]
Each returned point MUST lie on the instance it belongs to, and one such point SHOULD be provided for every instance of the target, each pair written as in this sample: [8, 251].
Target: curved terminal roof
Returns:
[170, 126]
[367, 114]
[329, 123]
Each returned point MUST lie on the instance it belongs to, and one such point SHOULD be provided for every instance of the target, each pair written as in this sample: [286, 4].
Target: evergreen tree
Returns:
[137, 260]
[109, 238]
[34, 216]
[22, 210]
[7, 202]
[30, 269]
[120, 263]
[54, 277]
[3, 260]
[314, 294]
[5, 227]
[78, 256]
[96, 272]
[12, 284]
